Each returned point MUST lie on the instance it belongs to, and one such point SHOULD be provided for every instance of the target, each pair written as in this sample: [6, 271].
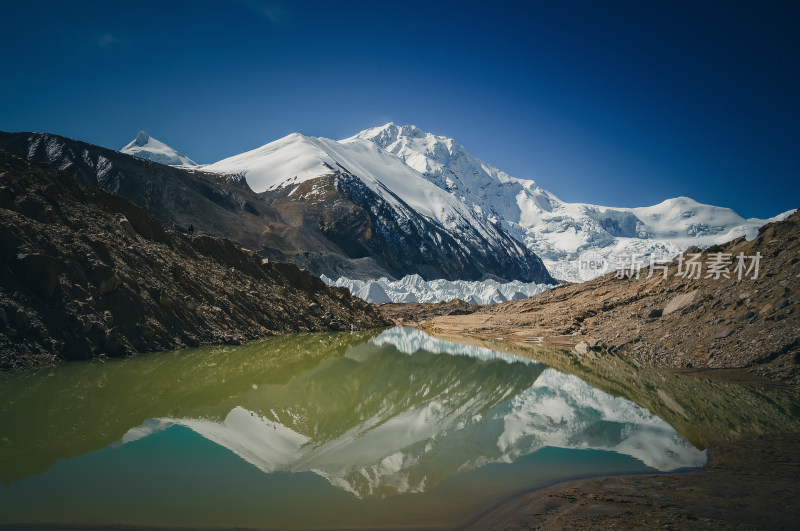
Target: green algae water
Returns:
[391, 429]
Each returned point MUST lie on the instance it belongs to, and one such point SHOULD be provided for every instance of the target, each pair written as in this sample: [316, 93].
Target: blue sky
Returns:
[622, 103]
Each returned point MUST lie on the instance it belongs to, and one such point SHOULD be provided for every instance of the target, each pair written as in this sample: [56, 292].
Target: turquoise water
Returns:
[315, 430]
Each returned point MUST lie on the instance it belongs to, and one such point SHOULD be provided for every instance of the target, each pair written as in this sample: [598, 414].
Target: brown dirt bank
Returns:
[750, 483]
[752, 323]
[84, 274]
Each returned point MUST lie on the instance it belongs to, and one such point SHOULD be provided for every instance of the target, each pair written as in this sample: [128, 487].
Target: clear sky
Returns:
[620, 103]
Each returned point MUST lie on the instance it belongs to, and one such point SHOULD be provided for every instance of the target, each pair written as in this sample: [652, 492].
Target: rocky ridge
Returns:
[84, 274]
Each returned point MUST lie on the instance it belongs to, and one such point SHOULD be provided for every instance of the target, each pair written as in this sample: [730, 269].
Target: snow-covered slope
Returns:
[146, 147]
[297, 158]
[555, 230]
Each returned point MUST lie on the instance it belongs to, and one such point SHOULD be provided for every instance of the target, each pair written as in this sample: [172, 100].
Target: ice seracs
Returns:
[413, 288]
[146, 147]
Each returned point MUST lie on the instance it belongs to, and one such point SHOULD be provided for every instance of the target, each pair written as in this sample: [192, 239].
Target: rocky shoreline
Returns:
[86, 274]
[749, 483]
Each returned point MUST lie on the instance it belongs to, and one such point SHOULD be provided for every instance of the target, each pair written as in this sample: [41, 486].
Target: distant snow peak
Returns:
[141, 139]
[146, 147]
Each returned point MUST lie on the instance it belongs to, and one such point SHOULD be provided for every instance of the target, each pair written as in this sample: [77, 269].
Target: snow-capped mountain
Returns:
[401, 201]
[296, 158]
[436, 177]
[555, 230]
[146, 147]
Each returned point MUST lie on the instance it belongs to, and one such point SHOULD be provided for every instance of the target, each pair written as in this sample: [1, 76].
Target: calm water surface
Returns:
[334, 430]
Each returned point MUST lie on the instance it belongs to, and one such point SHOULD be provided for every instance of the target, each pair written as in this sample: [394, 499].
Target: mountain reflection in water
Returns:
[377, 416]
[406, 410]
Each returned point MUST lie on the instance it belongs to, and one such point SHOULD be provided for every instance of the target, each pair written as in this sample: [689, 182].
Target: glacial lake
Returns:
[391, 428]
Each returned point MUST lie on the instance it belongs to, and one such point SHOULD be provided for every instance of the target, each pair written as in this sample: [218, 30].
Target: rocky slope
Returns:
[84, 273]
[680, 321]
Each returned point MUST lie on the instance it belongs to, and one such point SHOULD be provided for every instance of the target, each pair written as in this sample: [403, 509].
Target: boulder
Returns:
[582, 348]
[127, 228]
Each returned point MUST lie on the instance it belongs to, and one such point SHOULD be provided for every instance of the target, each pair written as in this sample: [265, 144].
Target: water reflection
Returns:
[355, 423]
[404, 411]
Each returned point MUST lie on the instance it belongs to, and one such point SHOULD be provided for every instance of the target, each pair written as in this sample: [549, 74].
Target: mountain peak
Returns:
[390, 133]
[142, 138]
[146, 147]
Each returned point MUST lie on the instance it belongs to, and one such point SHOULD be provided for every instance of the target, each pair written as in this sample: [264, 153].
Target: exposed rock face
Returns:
[84, 273]
[345, 230]
[341, 209]
[677, 321]
[220, 206]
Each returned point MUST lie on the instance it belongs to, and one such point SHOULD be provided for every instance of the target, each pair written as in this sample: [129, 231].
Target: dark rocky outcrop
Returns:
[84, 273]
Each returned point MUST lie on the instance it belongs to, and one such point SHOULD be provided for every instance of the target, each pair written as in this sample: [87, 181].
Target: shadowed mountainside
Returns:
[84, 273]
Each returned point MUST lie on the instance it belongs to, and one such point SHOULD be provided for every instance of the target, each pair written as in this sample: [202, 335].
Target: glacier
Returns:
[413, 288]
